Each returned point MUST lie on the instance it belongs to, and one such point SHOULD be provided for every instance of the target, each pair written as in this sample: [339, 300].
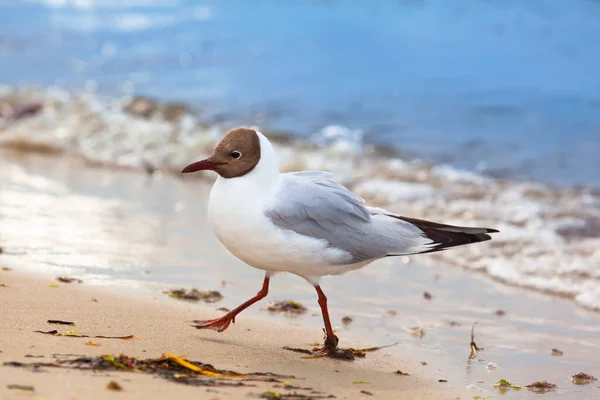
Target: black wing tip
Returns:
[491, 230]
[481, 237]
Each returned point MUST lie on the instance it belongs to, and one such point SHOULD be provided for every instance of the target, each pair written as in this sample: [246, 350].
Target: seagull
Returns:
[305, 223]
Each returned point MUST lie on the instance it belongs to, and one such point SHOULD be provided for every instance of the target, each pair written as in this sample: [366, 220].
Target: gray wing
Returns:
[311, 204]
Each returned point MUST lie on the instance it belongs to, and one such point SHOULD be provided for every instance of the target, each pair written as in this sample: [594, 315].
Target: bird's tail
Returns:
[446, 236]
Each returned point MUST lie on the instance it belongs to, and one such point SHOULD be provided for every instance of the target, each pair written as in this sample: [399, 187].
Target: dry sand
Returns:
[162, 325]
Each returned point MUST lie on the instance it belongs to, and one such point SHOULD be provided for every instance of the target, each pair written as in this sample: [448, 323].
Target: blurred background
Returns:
[510, 88]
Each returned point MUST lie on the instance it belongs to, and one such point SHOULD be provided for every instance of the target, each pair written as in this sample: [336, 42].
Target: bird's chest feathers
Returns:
[237, 217]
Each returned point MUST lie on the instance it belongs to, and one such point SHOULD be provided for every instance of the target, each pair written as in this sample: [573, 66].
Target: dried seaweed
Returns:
[366, 392]
[583, 378]
[77, 334]
[59, 322]
[401, 373]
[557, 352]
[112, 385]
[298, 350]
[207, 296]
[169, 367]
[340, 353]
[347, 320]
[68, 279]
[417, 332]
[427, 296]
[25, 388]
[542, 387]
[294, 396]
[473, 345]
[288, 308]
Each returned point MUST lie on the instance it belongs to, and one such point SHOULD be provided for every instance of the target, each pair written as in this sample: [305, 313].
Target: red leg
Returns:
[220, 324]
[323, 303]
[331, 340]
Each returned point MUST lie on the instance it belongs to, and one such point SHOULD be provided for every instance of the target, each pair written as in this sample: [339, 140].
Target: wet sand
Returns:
[125, 233]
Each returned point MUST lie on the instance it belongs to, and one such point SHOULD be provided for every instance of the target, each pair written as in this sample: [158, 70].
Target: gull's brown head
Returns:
[236, 155]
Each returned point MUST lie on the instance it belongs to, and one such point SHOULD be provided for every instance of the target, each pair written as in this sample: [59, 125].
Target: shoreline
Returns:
[548, 235]
[158, 327]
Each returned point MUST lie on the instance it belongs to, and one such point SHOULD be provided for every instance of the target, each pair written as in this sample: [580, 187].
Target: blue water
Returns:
[509, 87]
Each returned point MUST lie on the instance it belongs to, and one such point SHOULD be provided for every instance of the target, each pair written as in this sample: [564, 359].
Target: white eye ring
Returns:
[236, 154]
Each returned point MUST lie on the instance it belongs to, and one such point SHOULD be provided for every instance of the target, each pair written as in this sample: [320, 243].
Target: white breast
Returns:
[236, 212]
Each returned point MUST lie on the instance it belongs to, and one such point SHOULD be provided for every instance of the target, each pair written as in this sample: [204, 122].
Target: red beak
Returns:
[201, 166]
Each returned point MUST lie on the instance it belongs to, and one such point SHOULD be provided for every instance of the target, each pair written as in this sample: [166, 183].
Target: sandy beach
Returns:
[160, 326]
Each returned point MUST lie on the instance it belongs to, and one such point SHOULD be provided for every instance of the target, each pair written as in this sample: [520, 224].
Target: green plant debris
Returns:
[542, 387]
[207, 296]
[111, 359]
[504, 386]
[289, 308]
[53, 285]
[78, 334]
[583, 378]
[271, 395]
[361, 383]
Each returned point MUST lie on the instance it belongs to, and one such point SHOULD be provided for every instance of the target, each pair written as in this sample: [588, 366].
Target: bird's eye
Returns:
[236, 154]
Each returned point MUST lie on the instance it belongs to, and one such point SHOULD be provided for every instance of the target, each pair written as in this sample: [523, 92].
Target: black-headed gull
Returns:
[304, 222]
